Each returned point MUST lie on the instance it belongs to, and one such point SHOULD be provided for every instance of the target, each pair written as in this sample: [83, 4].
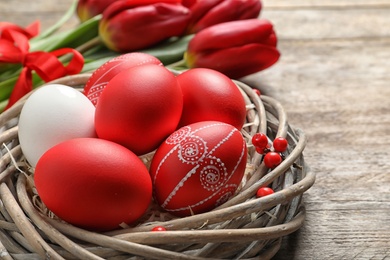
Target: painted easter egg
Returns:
[102, 75]
[210, 95]
[198, 167]
[93, 183]
[139, 108]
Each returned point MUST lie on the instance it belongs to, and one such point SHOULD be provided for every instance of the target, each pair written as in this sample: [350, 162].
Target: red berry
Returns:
[257, 91]
[280, 144]
[260, 140]
[262, 150]
[264, 191]
[159, 228]
[272, 159]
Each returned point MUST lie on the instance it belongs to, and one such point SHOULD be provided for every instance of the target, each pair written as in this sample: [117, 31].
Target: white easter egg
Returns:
[52, 114]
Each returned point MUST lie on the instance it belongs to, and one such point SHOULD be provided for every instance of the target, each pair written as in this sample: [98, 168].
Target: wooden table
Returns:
[334, 80]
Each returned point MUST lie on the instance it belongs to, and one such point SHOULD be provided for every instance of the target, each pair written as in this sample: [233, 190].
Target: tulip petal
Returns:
[230, 34]
[87, 9]
[200, 8]
[222, 11]
[119, 6]
[236, 62]
[143, 26]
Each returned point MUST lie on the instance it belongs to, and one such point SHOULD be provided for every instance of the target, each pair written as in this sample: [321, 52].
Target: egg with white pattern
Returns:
[198, 167]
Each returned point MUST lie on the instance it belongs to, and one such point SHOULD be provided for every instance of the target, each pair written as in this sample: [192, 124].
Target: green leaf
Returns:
[170, 51]
[93, 65]
[71, 38]
[8, 85]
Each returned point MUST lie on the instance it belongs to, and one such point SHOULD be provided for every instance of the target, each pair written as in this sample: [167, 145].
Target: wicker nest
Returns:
[244, 227]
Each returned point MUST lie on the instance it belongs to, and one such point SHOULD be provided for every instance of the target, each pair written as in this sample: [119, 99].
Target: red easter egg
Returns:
[93, 183]
[198, 167]
[210, 95]
[102, 75]
[139, 108]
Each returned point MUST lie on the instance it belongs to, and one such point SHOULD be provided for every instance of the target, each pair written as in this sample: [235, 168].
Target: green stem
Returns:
[72, 38]
[178, 65]
[66, 17]
[3, 104]
[7, 86]
[94, 42]
[83, 33]
[93, 65]
[8, 70]
[45, 43]
[170, 51]
[91, 44]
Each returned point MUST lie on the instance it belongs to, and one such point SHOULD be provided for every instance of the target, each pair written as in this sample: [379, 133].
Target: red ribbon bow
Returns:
[14, 48]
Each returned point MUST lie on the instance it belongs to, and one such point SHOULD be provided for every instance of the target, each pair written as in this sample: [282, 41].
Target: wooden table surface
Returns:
[333, 79]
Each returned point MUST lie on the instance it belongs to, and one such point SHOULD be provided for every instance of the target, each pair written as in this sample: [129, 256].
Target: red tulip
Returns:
[137, 24]
[87, 9]
[211, 12]
[188, 3]
[237, 48]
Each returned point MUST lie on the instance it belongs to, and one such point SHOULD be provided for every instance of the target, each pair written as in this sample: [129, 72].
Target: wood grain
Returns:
[333, 79]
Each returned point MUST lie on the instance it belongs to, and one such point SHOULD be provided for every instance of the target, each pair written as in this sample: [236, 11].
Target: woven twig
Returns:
[244, 227]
